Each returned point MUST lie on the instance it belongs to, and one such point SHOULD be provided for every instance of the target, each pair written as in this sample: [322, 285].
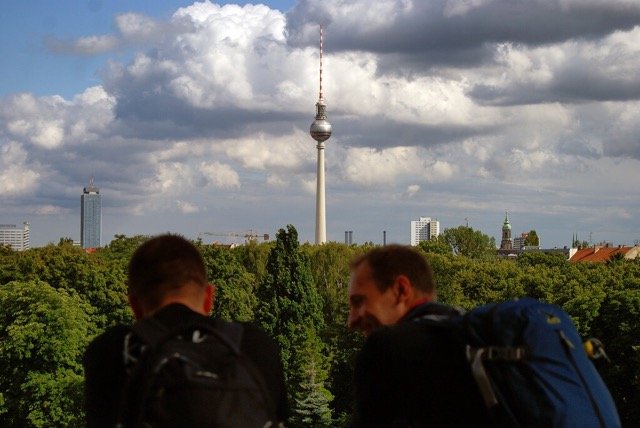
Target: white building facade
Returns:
[424, 229]
[18, 238]
[518, 241]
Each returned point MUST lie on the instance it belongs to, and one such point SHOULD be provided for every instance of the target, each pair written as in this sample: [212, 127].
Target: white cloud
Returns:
[137, 26]
[440, 171]
[50, 210]
[260, 151]
[187, 207]
[218, 61]
[276, 180]
[16, 176]
[170, 178]
[370, 167]
[92, 45]
[52, 122]
[220, 175]
[308, 186]
[412, 189]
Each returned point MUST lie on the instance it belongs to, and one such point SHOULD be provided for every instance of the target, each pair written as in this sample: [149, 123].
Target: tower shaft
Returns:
[321, 223]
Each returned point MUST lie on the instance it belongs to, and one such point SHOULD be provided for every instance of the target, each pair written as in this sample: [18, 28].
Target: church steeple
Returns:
[506, 243]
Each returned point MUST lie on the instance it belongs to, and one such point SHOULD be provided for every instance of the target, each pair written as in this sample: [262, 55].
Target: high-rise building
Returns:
[424, 229]
[320, 131]
[18, 238]
[90, 217]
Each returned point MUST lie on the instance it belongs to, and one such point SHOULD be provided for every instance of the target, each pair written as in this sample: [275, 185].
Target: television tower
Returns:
[320, 131]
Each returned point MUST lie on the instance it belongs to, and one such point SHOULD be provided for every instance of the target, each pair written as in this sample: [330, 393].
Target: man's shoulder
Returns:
[106, 342]
[424, 332]
[252, 329]
[433, 310]
[254, 338]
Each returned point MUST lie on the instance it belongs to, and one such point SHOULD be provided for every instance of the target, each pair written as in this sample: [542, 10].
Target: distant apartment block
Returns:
[90, 217]
[424, 229]
[518, 241]
[17, 238]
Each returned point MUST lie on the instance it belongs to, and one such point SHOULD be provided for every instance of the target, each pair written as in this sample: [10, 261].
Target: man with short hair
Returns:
[167, 281]
[408, 373]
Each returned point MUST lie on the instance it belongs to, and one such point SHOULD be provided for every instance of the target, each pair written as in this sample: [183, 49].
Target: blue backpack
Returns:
[530, 365]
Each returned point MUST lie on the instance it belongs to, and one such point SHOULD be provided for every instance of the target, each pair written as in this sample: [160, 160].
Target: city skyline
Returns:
[194, 117]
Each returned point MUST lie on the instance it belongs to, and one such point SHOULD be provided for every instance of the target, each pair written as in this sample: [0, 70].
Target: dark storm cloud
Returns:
[626, 144]
[576, 83]
[430, 33]
[384, 133]
[111, 163]
[169, 118]
[148, 109]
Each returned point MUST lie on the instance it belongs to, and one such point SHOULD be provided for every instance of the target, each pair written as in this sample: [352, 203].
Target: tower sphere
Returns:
[320, 130]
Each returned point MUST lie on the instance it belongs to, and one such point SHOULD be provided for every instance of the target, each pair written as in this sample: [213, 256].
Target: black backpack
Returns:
[193, 375]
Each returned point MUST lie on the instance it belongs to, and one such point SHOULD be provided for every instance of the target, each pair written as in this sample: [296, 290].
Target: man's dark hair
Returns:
[164, 264]
[388, 262]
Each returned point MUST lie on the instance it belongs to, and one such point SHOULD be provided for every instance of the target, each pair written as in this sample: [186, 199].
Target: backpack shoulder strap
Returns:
[151, 331]
[232, 331]
[436, 313]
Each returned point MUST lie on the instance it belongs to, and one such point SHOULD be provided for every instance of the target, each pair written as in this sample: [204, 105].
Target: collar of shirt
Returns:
[412, 308]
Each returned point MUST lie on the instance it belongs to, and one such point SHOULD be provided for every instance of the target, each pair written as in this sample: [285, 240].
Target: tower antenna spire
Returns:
[320, 63]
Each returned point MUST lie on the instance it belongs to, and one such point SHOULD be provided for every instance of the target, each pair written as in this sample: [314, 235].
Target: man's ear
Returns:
[209, 298]
[403, 289]
[136, 307]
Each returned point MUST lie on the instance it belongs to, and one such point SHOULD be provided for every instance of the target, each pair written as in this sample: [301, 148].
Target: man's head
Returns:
[168, 269]
[385, 284]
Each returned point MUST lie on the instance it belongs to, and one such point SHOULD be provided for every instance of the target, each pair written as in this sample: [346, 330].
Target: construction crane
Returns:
[248, 236]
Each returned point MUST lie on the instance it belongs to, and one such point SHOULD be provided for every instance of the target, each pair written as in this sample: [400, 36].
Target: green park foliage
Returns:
[55, 299]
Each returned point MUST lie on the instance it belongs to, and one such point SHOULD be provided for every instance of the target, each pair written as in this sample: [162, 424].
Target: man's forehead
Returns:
[361, 277]
[363, 269]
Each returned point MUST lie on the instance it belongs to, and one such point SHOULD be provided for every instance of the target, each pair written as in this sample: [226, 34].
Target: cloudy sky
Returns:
[194, 117]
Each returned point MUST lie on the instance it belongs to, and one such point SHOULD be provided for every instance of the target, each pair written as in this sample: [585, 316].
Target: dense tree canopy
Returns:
[235, 297]
[290, 309]
[466, 241]
[438, 245]
[532, 239]
[43, 333]
[55, 299]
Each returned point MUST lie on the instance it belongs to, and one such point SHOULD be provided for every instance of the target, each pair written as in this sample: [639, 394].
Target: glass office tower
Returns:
[90, 217]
